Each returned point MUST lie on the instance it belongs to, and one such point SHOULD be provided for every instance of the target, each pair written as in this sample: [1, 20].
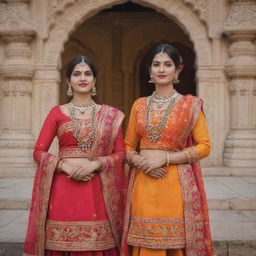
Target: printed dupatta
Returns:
[112, 178]
[197, 228]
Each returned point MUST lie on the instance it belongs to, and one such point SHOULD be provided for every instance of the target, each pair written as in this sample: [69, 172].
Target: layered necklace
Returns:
[83, 136]
[154, 132]
[83, 107]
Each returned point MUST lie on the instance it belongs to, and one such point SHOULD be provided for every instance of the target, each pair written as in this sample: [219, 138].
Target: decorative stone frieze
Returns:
[240, 26]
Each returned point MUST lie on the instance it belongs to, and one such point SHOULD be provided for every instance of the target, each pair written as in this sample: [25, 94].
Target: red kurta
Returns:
[81, 217]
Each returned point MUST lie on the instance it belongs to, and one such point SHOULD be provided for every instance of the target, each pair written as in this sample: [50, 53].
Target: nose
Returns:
[161, 68]
[82, 78]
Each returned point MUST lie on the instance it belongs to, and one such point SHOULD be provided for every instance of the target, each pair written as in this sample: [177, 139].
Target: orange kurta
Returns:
[157, 212]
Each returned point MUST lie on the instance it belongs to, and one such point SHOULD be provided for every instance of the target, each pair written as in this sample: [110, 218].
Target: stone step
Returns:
[227, 171]
[15, 194]
[231, 193]
[223, 193]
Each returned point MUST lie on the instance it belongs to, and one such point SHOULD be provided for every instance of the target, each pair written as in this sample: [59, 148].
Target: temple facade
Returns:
[215, 38]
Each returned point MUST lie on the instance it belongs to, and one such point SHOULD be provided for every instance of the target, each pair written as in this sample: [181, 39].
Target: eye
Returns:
[169, 64]
[155, 64]
[89, 73]
[75, 74]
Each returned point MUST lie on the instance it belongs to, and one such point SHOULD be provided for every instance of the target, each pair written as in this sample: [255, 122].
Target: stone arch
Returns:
[177, 11]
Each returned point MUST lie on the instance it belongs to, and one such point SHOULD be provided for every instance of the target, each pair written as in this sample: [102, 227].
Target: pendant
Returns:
[82, 110]
[159, 105]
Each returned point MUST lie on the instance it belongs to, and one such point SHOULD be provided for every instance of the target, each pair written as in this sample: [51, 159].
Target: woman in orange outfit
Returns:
[167, 210]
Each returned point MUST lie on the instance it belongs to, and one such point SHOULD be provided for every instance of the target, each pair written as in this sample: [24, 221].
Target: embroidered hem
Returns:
[158, 233]
[79, 236]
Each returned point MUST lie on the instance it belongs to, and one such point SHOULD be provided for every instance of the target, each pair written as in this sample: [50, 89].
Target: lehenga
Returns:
[69, 217]
[168, 216]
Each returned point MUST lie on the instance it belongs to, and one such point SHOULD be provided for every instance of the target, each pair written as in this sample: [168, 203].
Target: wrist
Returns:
[60, 165]
[97, 165]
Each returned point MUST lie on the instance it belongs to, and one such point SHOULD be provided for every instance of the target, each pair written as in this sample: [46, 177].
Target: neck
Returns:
[82, 98]
[164, 90]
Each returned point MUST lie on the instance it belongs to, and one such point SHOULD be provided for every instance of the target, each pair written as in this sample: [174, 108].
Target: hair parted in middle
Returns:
[169, 50]
[71, 65]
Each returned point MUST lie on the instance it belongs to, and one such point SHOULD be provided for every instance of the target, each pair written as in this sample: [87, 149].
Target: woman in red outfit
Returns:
[77, 202]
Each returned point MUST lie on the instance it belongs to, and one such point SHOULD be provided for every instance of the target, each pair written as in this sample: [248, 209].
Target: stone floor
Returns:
[232, 203]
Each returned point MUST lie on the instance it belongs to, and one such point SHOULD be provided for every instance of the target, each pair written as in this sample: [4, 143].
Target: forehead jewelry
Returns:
[162, 51]
[83, 61]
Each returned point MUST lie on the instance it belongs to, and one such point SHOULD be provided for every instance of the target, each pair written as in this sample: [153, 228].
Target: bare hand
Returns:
[158, 173]
[140, 162]
[67, 168]
[155, 162]
[81, 172]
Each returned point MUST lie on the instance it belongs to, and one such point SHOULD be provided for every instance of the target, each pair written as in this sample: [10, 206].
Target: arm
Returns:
[192, 154]
[132, 140]
[46, 136]
[202, 143]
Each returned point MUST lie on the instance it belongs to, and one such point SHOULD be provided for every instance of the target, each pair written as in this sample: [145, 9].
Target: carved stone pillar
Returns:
[241, 69]
[16, 140]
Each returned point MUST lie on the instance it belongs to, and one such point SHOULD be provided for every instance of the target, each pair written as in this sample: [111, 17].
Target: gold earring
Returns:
[94, 91]
[69, 92]
[176, 80]
[151, 80]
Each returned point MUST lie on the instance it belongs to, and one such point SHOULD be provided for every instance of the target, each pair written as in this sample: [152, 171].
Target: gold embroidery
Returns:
[74, 152]
[158, 233]
[79, 236]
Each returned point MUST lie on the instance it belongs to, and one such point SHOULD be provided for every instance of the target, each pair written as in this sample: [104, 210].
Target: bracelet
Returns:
[167, 158]
[191, 155]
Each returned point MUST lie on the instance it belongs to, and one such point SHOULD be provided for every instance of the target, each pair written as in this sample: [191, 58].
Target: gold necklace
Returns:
[83, 107]
[160, 100]
[154, 132]
[83, 141]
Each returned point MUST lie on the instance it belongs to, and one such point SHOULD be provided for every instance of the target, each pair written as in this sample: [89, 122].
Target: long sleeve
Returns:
[118, 153]
[131, 136]
[201, 137]
[46, 136]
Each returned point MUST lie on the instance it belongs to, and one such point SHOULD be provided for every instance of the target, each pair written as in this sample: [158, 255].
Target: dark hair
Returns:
[168, 49]
[77, 60]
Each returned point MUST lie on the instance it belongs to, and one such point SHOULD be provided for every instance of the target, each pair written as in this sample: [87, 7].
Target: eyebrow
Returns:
[163, 61]
[82, 71]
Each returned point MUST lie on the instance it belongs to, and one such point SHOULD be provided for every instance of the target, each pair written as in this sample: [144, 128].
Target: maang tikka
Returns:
[83, 61]
[162, 50]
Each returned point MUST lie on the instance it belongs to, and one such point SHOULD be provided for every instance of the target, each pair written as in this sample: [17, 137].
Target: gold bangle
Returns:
[167, 158]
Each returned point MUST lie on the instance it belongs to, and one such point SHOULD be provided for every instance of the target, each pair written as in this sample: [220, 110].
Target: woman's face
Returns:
[162, 69]
[82, 79]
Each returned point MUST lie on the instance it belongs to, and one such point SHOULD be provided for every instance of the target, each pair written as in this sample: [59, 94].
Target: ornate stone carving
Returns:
[16, 28]
[242, 17]
[56, 8]
[17, 86]
[201, 7]
[15, 16]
